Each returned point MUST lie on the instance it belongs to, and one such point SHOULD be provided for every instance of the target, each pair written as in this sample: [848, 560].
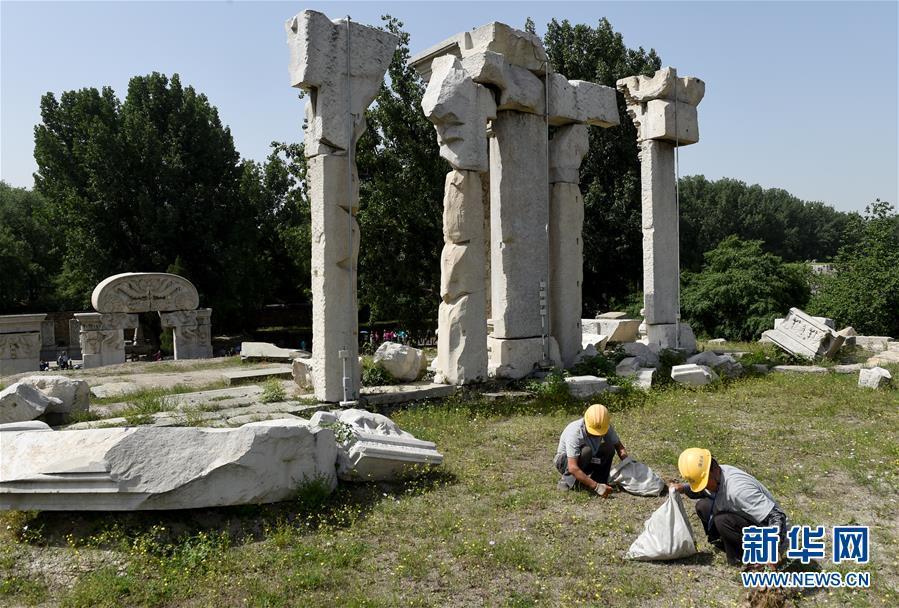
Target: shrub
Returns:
[864, 290]
[740, 290]
[373, 374]
[272, 390]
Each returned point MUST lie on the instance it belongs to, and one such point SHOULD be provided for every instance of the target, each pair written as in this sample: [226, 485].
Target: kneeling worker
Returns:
[586, 449]
[729, 500]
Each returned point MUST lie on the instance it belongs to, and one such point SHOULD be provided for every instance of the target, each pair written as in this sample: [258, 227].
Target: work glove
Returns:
[602, 490]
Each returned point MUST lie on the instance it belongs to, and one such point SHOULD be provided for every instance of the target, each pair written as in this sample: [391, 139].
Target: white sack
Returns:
[636, 478]
[667, 533]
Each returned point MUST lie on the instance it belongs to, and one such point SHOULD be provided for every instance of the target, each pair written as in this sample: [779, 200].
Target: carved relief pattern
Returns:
[20, 346]
[147, 293]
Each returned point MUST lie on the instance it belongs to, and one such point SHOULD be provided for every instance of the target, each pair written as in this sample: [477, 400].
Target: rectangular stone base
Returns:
[516, 358]
[666, 336]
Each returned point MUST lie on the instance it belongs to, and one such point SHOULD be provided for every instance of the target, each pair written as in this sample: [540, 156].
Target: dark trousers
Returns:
[597, 471]
[726, 527]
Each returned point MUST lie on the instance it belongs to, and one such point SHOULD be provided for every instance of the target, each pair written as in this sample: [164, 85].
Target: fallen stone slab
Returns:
[717, 341]
[584, 387]
[847, 369]
[503, 395]
[876, 377]
[598, 341]
[404, 393]
[706, 357]
[644, 377]
[886, 357]
[98, 424]
[646, 356]
[375, 449]
[142, 468]
[804, 336]
[693, 375]
[612, 314]
[799, 369]
[618, 330]
[73, 394]
[265, 351]
[252, 376]
[875, 344]
[28, 425]
[114, 389]
[248, 418]
[628, 367]
[401, 361]
[21, 402]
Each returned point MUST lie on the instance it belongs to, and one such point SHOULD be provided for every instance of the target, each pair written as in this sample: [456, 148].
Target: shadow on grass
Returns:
[313, 508]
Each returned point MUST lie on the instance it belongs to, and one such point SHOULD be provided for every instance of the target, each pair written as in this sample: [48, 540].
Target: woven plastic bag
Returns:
[667, 534]
[636, 478]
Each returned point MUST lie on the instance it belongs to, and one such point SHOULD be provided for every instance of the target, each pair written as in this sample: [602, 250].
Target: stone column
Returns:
[341, 65]
[663, 108]
[566, 249]
[519, 214]
[191, 334]
[460, 109]
[103, 337]
[20, 343]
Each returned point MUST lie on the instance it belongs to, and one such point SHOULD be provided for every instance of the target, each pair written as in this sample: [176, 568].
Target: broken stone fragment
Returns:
[876, 377]
[584, 387]
[21, 402]
[693, 375]
[74, 395]
[401, 361]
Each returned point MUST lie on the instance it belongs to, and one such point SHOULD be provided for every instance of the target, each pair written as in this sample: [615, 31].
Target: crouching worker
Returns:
[586, 449]
[729, 499]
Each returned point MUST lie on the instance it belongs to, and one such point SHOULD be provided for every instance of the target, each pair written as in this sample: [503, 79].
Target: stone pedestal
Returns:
[20, 343]
[191, 332]
[103, 337]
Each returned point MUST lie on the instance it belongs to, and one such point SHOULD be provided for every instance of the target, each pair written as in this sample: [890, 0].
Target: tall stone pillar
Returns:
[566, 247]
[663, 108]
[519, 215]
[341, 65]
[460, 109]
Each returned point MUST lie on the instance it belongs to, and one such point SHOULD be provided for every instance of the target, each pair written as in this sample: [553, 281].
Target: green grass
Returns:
[145, 393]
[488, 528]
[272, 390]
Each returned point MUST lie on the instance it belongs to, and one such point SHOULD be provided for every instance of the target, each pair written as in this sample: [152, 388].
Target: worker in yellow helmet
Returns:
[586, 449]
[729, 499]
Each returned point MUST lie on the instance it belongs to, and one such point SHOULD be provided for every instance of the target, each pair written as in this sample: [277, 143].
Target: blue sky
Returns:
[800, 95]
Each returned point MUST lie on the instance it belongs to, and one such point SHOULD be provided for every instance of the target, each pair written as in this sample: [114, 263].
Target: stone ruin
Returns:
[120, 298]
[512, 191]
[20, 343]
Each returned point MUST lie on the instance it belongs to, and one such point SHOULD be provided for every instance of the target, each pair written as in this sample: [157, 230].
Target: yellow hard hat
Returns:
[596, 418]
[694, 465]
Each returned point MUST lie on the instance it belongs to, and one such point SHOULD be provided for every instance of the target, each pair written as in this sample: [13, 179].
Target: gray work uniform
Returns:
[741, 493]
[594, 453]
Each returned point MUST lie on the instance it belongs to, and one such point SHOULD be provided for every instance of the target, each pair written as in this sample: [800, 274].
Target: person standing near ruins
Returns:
[586, 449]
[729, 499]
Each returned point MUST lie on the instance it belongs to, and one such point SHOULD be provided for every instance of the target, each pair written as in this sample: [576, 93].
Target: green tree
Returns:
[610, 172]
[740, 290]
[791, 228]
[401, 198]
[27, 251]
[137, 184]
[864, 290]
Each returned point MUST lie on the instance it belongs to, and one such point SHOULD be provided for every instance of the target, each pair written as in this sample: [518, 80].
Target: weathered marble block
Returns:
[144, 468]
[20, 343]
[519, 210]
[804, 336]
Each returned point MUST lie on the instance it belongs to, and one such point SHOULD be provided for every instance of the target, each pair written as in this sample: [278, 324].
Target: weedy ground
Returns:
[488, 528]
